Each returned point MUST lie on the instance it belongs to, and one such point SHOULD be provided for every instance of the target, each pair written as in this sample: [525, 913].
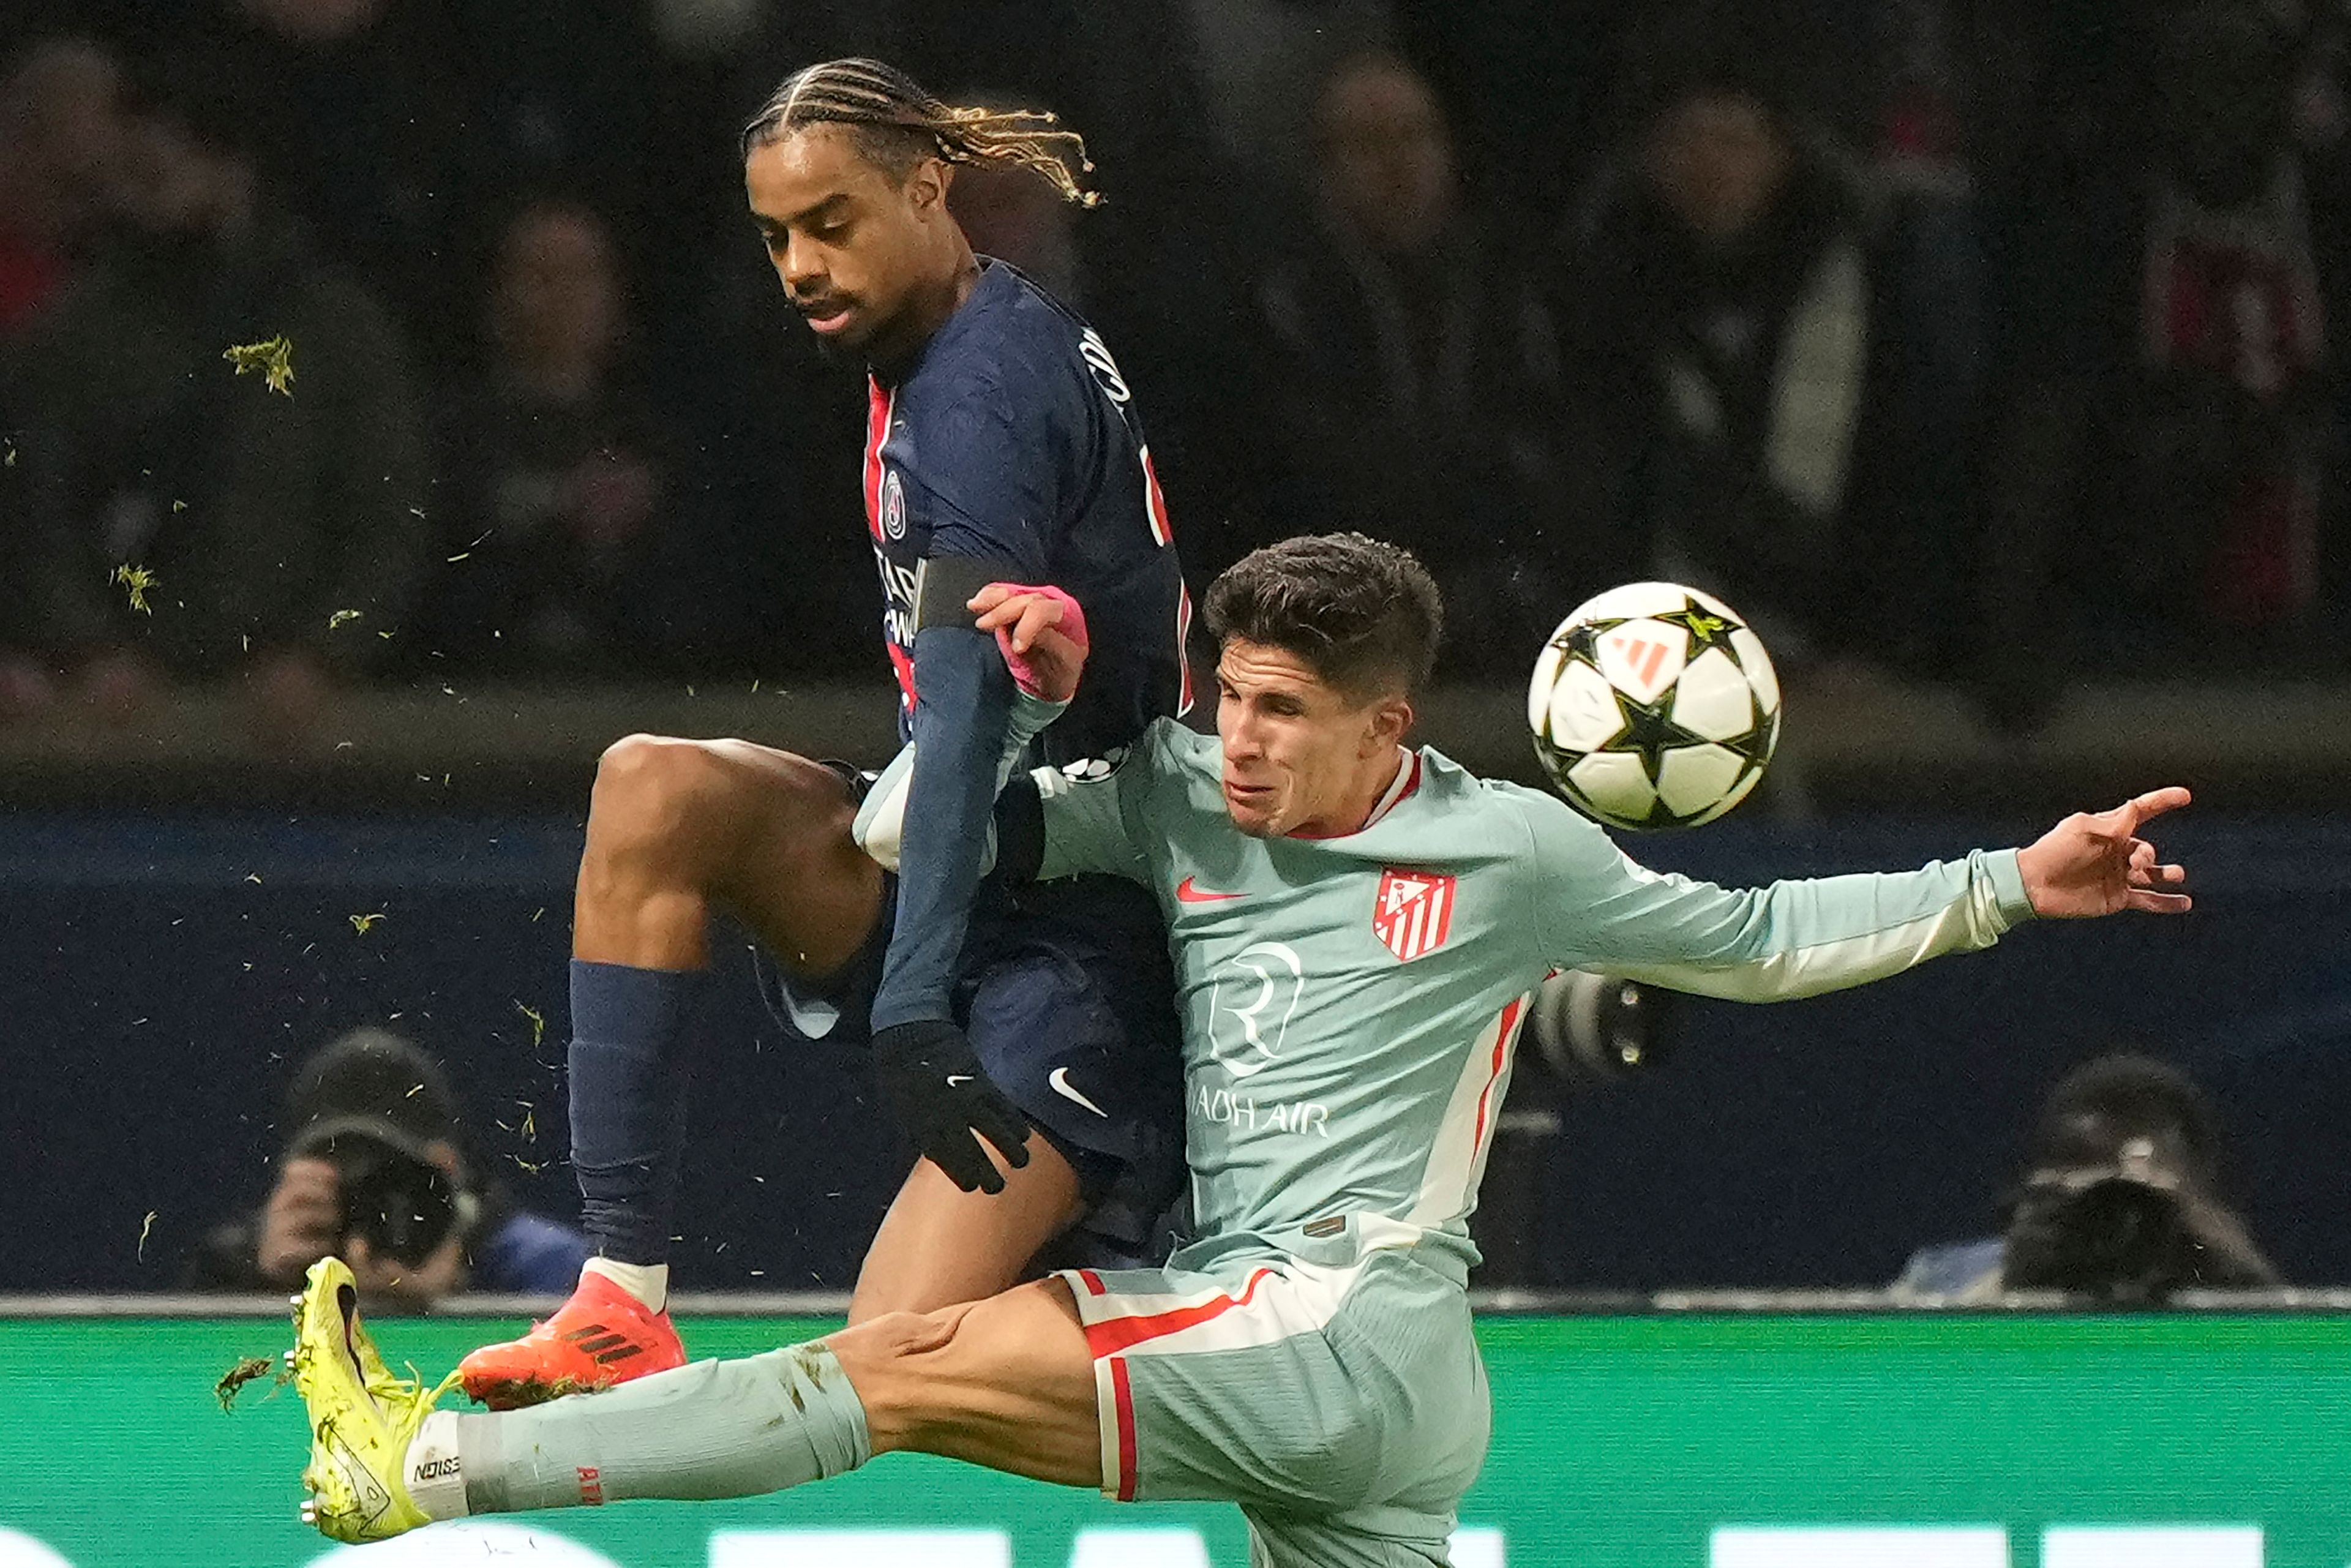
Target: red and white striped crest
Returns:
[1413, 913]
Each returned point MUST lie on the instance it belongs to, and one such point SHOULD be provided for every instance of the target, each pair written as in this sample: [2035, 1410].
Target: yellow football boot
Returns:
[362, 1417]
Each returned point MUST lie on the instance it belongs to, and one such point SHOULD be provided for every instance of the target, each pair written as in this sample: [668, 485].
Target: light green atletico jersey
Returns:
[1351, 1004]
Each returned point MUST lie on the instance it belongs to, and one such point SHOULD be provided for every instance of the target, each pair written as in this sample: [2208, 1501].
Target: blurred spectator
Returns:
[2119, 1199]
[1771, 376]
[260, 517]
[357, 122]
[1402, 361]
[1257, 61]
[378, 1170]
[568, 544]
[2166, 468]
[61, 122]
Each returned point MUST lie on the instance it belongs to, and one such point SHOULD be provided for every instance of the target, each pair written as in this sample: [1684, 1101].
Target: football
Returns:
[1653, 706]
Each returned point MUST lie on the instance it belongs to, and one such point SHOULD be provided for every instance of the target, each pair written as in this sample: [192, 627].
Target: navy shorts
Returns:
[1068, 996]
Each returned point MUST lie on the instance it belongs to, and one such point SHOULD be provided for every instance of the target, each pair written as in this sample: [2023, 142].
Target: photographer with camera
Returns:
[376, 1170]
[2119, 1200]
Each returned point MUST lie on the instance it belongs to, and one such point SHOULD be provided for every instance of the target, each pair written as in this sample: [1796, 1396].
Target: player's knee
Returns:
[895, 1336]
[653, 793]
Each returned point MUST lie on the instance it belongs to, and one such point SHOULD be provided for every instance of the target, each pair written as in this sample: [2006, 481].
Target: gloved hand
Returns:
[931, 1082]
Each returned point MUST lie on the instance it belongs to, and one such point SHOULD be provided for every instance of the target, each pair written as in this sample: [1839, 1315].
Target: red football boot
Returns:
[601, 1337]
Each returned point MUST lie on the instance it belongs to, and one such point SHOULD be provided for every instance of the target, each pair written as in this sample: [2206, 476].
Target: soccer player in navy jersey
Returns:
[1002, 446]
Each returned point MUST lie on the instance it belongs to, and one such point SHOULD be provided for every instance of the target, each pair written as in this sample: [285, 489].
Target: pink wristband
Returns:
[1073, 625]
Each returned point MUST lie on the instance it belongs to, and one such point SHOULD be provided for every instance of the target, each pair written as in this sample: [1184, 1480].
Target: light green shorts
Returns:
[1344, 1409]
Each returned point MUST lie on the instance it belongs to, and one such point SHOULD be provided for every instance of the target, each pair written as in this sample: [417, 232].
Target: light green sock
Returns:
[713, 1429]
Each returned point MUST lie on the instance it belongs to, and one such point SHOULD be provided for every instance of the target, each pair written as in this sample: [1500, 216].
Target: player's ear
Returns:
[1391, 720]
[926, 187]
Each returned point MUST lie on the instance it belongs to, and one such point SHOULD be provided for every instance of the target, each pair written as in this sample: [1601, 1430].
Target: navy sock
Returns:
[631, 1065]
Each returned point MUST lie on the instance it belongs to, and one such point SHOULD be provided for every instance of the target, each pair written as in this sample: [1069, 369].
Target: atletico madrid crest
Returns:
[1413, 913]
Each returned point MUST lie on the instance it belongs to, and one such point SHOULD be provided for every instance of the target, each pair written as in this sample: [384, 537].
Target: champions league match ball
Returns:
[1653, 706]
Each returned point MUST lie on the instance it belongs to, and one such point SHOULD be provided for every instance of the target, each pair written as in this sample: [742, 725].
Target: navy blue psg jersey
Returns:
[1013, 441]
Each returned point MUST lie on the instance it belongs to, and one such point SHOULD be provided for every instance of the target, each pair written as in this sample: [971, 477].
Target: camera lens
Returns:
[400, 1205]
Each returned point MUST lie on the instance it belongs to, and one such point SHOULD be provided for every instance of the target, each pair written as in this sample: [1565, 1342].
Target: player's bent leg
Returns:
[1006, 1383]
[677, 831]
[677, 828]
[940, 1245]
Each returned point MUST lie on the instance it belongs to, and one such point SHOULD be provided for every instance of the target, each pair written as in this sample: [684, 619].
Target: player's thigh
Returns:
[1358, 1387]
[763, 832]
[939, 1245]
[1006, 1383]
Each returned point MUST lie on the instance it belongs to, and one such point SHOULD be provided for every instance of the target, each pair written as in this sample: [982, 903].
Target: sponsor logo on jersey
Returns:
[898, 584]
[1413, 913]
[1094, 770]
[592, 1486]
[1256, 991]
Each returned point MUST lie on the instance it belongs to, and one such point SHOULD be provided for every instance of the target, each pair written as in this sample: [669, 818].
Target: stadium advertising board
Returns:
[1635, 1442]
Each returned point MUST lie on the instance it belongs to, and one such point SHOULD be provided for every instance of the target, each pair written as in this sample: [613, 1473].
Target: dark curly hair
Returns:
[1364, 616]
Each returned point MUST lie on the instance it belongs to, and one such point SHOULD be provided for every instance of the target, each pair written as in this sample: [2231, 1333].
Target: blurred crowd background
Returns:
[1971, 340]
[1978, 350]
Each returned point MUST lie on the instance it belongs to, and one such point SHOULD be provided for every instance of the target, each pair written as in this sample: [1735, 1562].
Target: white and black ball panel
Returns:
[1653, 706]
[1713, 698]
[1585, 715]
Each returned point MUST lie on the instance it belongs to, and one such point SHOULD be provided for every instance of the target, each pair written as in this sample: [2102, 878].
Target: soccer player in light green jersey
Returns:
[1356, 924]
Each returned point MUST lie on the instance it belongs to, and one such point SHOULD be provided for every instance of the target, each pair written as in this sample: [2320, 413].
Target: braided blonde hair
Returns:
[869, 97]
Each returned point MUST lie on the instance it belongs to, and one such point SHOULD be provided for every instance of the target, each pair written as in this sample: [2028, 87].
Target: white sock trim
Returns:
[434, 1473]
[649, 1282]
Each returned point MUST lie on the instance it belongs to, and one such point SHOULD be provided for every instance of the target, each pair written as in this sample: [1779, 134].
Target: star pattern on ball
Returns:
[1650, 731]
[1584, 639]
[1705, 628]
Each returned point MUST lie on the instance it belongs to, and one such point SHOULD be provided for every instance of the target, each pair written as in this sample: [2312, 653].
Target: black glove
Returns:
[932, 1085]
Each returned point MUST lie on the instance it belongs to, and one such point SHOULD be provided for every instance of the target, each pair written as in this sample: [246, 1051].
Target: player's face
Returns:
[1300, 755]
[852, 245]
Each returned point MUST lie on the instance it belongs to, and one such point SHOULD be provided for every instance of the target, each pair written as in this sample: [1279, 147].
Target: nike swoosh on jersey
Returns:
[956, 1078]
[1185, 892]
[1060, 1080]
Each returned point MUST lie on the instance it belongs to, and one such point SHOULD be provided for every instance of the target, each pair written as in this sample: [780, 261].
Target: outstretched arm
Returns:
[1797, 938]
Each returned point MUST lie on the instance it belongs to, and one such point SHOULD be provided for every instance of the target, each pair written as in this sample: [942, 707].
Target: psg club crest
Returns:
[1414, 912]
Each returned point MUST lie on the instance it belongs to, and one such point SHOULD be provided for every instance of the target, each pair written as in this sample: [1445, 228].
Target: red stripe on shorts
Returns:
[1114, 1334]
[1093, 1283]
[1125, 1397]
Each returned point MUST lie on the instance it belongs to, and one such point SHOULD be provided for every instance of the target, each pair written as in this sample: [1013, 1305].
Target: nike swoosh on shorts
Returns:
[1060, 1080]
